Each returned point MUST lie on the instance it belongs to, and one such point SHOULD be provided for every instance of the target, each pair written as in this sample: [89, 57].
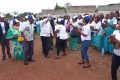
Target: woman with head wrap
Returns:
[15, 36]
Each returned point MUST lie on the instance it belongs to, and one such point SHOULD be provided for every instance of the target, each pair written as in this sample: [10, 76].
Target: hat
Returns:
[61, 21]
[75, 17]
[15, 21]
[87, 18]
[30, 17]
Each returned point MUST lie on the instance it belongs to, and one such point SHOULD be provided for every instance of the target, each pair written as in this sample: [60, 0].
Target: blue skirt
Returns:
[107, 46]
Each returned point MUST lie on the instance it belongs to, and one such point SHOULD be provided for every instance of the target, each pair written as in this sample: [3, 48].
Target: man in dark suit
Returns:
[4, 26]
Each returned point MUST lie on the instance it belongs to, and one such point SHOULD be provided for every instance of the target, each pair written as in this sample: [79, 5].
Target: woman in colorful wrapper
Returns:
[15, 36]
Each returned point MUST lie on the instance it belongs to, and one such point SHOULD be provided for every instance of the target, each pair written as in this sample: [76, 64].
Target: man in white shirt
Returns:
[85, 37]
[28, 33]
[4, 26]
[45, 33]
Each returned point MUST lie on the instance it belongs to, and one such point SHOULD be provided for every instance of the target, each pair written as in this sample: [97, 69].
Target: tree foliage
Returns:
[57, 7]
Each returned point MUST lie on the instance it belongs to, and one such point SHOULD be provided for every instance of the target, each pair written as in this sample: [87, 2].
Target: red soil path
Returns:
[65, 68]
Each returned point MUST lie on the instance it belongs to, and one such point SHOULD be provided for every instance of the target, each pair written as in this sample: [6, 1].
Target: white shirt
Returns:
[98, 26]
[28, 30]
[3, 27]
[62, 32]
[87, 31]
[93, 23]
[116, 33]
[114, 20]
[57, 27]
[11, 23]
[103, 20]
[46, 29]
[75, 24]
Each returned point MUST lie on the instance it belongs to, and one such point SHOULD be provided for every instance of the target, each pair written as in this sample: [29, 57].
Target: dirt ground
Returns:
[65, 68]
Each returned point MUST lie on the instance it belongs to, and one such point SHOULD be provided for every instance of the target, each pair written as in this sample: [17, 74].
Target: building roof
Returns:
[81, 9]
[110, 7]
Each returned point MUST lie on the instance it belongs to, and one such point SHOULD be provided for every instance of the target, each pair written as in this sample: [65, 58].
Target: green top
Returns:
[11, 34]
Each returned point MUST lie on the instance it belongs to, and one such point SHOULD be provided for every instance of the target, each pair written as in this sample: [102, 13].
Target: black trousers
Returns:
[45, 45]
[114, 66]
[61, 45]
[51, 42]
[5, 45]
[57, 42]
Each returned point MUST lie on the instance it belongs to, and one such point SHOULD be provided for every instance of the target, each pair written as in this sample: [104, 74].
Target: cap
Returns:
[87, 18]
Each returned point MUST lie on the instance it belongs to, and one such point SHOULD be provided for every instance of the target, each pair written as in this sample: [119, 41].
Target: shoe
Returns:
[46, 56]
[9, 56]
[87, 66]
[58, 57]
[81, 63]
[25, 63]
[31, 60]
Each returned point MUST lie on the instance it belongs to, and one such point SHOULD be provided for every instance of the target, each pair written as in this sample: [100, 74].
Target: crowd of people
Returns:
[102, 32]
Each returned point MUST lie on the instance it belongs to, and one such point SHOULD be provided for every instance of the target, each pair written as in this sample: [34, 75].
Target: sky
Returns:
[35, 6]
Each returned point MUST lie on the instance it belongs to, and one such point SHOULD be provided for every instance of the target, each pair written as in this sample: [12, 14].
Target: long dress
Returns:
[16, 46]
[92, 33]
[98, 36]
[108, 31]
[73, 43]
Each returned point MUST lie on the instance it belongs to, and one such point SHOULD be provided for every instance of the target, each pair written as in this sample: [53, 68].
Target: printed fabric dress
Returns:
[16, 46]
[108, 31]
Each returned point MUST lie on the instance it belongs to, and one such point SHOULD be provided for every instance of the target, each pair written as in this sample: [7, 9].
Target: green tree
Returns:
[8, 16]
[57, 7]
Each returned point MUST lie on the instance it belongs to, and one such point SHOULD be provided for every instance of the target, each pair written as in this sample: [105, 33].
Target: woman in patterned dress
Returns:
[14, 35]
